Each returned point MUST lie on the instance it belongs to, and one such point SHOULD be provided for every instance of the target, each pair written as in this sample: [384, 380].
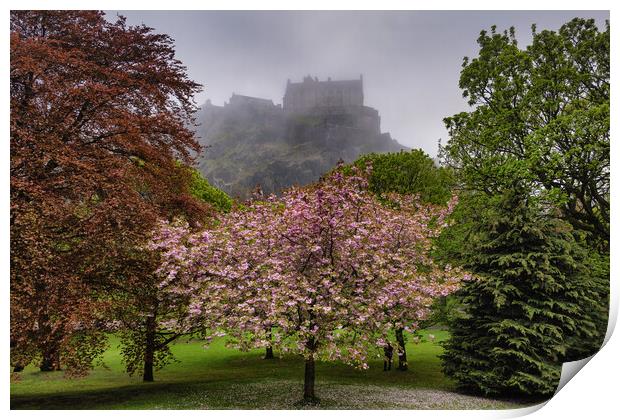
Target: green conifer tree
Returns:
[523, 312]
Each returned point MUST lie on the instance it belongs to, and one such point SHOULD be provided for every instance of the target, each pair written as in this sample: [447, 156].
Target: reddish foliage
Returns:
[99, 116]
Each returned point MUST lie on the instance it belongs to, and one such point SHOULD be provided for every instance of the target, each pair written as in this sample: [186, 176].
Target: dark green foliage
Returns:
[589, 339]
[408, 172]
[201, 189]
[455, 241]
[528, 306]
[443, 311]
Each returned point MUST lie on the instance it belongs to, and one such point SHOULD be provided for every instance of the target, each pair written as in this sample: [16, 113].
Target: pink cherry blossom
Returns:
[325, 271]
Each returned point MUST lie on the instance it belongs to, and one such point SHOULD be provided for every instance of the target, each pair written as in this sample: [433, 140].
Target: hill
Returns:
[252, 142]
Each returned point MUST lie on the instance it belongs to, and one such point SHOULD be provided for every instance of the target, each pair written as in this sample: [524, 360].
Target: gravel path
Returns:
[286, 395]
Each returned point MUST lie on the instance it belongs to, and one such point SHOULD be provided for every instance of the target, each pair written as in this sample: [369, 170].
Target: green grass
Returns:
[219, 378]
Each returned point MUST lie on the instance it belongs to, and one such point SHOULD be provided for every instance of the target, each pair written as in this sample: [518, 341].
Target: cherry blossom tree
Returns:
[325, 272]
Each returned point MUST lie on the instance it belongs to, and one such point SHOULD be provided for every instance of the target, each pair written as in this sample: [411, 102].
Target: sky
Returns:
[410, 60]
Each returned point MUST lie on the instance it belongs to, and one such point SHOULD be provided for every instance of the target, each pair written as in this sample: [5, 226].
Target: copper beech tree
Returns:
[99, 119]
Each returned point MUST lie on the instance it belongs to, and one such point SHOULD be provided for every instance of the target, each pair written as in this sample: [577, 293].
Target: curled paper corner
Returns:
[570, 369]
[521, 412]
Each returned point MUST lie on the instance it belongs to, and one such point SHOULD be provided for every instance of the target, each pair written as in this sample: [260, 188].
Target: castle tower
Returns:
[312, 93]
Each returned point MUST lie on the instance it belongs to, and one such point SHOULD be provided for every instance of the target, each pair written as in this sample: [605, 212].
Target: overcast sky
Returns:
[410, 60]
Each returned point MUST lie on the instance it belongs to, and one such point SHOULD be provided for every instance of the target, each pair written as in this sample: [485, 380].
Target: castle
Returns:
[311, 94]
[338, 102]
[252, 141]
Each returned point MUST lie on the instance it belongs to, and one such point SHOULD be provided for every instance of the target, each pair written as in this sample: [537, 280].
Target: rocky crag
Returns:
[252, 142]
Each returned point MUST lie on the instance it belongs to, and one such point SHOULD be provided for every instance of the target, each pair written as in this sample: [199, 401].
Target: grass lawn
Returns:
[222, 378]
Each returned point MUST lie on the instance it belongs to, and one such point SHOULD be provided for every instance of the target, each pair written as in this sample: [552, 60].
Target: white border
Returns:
[591, 395]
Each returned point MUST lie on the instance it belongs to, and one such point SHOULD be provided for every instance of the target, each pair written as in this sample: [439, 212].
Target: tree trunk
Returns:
[51, 359]
[51, 349]
[149, 350]
[269, 349]
[17, 367]
[309, 381]
[388, 352]
[309, 374]
[269, 352]
[402, 352]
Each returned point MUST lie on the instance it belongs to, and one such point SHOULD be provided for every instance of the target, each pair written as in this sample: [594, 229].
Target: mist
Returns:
[410, 60]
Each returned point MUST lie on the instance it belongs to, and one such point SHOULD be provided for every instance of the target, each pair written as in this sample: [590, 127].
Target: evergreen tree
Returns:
[525, 308]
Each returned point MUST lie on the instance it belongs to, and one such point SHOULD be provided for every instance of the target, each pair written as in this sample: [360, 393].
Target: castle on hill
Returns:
[252, 141]
[337, 101]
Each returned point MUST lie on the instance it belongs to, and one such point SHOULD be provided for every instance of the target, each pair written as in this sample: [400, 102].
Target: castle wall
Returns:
[312, 93]
[242, 100]
[331, 102]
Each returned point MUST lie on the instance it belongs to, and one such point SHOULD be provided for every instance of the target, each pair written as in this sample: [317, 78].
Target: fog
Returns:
[410, 60]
